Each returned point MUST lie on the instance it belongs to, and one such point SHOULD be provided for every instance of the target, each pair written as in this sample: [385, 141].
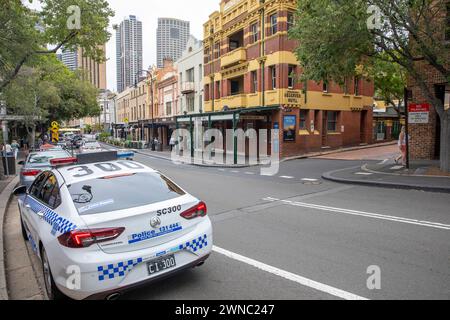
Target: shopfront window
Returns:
[303, 119]
[332, 117]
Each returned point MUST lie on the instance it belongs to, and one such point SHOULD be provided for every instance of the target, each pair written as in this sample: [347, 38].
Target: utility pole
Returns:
[406, 98]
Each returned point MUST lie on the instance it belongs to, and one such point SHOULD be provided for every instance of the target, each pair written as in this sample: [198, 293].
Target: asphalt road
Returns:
[282, 237]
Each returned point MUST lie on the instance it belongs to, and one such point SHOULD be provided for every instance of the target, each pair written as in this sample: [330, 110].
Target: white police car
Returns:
[101, 225]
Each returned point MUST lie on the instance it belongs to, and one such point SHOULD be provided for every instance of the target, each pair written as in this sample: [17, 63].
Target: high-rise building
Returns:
[94, 72]
[171, 37]
[129, 52]
[70, 59]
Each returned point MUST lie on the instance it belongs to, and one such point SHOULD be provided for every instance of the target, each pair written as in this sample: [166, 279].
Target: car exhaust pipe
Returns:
[113, 296]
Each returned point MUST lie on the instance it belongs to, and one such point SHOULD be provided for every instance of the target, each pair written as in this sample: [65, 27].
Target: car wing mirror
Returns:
[20, 191]
[21, 163]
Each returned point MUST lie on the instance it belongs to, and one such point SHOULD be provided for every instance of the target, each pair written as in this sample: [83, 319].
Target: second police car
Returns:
[101, 225]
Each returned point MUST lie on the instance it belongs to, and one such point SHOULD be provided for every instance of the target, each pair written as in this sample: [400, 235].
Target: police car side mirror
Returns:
[21, 163]
[20, 191]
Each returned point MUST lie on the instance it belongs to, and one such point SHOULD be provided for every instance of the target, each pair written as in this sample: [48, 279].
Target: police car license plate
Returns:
[161, 264]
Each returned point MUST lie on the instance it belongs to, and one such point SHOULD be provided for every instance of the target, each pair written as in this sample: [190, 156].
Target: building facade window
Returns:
[216, 50]
[190, 102]
[290, 20]
[303, 119]
[190, 75]
[273, 77]
[218, 93]
[273, 23]
[332, 117]
[254, 32]
[356, 86]
[291, 76]
[254, 76]
[207, 92]
[169, 108]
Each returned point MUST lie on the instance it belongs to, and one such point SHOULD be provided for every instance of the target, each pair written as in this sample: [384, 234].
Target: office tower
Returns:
[93, 71]
[172, 36]
[128, 52]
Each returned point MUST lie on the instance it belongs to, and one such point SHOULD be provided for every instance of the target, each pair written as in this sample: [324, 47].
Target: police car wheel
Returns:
[51, 290]
[24, 231]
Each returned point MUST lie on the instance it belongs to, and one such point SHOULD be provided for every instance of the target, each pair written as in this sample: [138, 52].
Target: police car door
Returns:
[32, 208]
[44, 206]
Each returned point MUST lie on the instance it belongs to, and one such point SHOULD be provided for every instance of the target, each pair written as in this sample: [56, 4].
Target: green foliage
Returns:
[25, 33]
[342, 39]
[48, 91]
[94, 20]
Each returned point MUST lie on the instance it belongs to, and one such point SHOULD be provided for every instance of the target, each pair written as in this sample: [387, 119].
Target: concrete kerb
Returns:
[5, 198]
[393, 185]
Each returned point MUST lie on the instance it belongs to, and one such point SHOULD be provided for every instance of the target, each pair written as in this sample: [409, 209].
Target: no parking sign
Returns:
[419, 113]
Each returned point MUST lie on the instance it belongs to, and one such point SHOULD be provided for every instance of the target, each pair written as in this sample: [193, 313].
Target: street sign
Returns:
[419, 113]
[54, 130]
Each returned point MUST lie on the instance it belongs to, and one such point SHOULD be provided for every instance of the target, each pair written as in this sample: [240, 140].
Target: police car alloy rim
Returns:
[47, 274]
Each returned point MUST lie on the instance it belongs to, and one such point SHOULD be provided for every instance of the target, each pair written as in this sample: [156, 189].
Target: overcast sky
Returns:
[148, 11]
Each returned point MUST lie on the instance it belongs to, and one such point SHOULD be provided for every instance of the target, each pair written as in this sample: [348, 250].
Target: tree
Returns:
[390, 82]
[30, 97]
[25, 33]
[48, 92]
[339, 38]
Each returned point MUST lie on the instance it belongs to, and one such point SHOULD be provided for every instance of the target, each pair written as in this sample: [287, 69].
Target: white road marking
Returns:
[309, 180]
[290, 276]
[364, 173]
[221, 170]
[396, 168]
[235, 171]
[287, 177]
[384, 161]
[423, 223]
[250, 173]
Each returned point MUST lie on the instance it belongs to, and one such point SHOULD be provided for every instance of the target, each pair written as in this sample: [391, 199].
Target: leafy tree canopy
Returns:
[25, 33]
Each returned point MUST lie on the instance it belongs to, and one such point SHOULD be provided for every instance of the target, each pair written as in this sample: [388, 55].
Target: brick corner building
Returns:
[248, 82]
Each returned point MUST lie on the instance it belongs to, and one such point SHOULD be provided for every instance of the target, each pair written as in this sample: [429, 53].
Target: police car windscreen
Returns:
[122, 191]
[43, 158]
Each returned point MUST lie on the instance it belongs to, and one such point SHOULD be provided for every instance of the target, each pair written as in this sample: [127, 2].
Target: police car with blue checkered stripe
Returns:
[102, 224]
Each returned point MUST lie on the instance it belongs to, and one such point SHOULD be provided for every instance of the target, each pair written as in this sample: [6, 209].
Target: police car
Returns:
[102, 225]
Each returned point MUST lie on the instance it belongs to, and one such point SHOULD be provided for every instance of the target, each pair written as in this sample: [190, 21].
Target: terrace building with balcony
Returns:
[166, 97]
[250, 81]
[190, 77]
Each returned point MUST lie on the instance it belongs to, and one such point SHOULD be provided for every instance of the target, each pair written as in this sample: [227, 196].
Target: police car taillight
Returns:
[199, 210]
[63, 161]
[30, 173]
[86, 238]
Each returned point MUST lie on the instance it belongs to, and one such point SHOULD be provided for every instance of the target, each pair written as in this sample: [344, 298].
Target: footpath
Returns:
[422, 175]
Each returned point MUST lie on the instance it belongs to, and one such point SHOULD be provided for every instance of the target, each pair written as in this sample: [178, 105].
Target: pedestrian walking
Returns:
[172, 143]
[402, 147]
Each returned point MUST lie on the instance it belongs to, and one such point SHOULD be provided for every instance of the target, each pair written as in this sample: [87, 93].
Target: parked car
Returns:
[37, 162]
[122, 229]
